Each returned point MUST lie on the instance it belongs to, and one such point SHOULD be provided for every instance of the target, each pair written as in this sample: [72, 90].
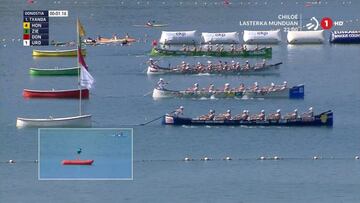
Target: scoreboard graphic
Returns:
[36, 26]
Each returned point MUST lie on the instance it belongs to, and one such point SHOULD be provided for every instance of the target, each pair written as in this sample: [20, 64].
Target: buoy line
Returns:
[208, 158]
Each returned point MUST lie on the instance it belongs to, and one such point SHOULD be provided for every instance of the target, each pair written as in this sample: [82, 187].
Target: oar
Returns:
[155, 119]
[148, 93]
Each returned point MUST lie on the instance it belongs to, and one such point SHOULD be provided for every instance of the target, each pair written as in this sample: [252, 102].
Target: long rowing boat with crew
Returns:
[295, 92]
[322, 119]
[216, 69]
[265, 52]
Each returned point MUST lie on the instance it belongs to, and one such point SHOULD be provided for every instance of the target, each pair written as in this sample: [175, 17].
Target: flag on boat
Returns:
[86, 79]
[80, 28]
[81, 59]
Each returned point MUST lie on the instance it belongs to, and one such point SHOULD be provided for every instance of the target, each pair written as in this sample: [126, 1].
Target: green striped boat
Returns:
[54, 71]
[265, 52]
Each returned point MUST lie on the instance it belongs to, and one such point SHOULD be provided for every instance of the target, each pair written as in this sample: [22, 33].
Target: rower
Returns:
[127, 36]
[209, 66]
[179, 112]
[227, 115]
[151, 62]
[209, 48]
[294, 115]
[241, 87]
[222, 48]
[263, 63]
[311, 112]
[226, 66]
[272, 87]
[211, 88]
[284, 85]
[247, 65]
[277, 115]
[233, 64]
[261, 116]
[255, 87]
[245, 115]
[184, 48]
[238, 66]
[161, 84]
[244, 47]
[195, 87]
[232, 48]
[149, 23]
[217, 48]
[227, 87]
[78, 153]
[211, 115]
[114, 37]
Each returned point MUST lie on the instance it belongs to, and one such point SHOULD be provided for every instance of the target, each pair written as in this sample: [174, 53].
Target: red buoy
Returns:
[77, 162]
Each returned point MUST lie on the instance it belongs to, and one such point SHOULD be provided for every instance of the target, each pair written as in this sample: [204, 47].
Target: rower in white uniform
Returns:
[179, 111]
[161, 84]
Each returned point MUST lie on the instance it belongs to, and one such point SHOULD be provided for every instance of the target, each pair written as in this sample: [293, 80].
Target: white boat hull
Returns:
[159, 94]
[76, 121]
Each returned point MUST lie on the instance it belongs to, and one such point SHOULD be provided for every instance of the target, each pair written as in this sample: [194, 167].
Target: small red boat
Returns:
[72, 93]
[77, 162]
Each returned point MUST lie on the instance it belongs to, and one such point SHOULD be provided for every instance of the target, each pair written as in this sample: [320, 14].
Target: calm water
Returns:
[330, 73]
[110, 149]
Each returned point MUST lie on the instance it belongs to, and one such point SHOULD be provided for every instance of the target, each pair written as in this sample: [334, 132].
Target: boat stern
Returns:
[297, 92]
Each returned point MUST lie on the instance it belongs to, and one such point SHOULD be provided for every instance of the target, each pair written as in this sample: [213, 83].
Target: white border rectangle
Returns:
[132, 154]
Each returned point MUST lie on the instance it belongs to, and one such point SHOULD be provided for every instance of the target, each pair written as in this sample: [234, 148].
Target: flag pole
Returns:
[78, 64]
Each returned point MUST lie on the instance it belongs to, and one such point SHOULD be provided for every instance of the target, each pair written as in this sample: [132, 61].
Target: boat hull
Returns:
[54, 72]
[56, 94]
[77, 162]
[323, 119]
[267, 70]
[57, 53]
[264, 52]
[76, 121]
[295, 92]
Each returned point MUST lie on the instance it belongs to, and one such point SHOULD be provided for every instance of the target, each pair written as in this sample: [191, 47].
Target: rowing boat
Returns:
[59, 53]
[295, 92]
[265, 52]
[113, 40]
[255, 70]
[63, 94]
[77, 162]
[54, 71]
[75, 121]
[323, 119]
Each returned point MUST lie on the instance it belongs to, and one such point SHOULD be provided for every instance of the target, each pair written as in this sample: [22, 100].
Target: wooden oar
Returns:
[155, 119]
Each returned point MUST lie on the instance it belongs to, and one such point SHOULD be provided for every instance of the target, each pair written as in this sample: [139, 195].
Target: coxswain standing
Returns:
[161, 84]
[179, 111]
